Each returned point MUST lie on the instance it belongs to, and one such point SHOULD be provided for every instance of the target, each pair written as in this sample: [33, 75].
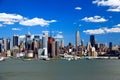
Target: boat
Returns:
[2, 59]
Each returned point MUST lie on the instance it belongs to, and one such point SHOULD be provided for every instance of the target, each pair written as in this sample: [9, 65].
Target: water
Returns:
[60, 70]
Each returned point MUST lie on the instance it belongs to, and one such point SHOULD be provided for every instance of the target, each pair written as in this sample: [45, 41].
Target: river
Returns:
[60, 70]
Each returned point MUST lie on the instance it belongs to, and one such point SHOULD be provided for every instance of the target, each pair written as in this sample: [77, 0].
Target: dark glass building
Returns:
[92, 40]
[8, 44]
[15, 40]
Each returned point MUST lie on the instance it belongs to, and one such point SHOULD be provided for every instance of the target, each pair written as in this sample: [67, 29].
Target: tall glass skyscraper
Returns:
[77, 38]
[28, 41]
[15, 40]
[45, 42]
[92, 40]
[8, 44]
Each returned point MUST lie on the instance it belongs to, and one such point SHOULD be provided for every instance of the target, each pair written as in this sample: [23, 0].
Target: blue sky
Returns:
[62, 17]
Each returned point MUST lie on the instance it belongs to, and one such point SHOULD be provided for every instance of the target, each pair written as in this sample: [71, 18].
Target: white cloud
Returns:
[112, 30]
[10, 18]
[114, 5]
[22, 36]
[37, 21]
[78, 8]
[118, 25]
[115, 29]
[45, 31]
[58, 36]
[16, 29]
[94, 19]
[95, 31]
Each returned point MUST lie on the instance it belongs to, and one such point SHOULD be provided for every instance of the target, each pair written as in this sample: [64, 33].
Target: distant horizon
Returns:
[61, 18]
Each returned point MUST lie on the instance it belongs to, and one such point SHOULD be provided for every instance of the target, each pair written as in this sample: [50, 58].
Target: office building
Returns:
[50, 39]
[40, 44]
[77, 38]
[45, 46]
[92, 40]
[57, 50]
[53, 49]
[110, 45]
[62, 43]
[15, 40]
[8, 44]
[28, 41]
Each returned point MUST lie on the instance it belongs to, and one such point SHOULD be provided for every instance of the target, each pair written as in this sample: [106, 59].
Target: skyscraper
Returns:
[92, 40]
[53, 48]
[8, 44]
[82, 43]
[77, 38]
[57, 50]
[62, 43]
[28, 41]
[50, 39]
[1, 44]
[110, 45]
[15, 40]
[45, 40]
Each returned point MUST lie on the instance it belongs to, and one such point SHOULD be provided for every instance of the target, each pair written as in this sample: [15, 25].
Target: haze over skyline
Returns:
[62, 17]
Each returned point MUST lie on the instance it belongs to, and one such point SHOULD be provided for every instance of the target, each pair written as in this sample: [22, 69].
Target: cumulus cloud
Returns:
[114, 5]
[58, 36]
[78, 8]
[37, 21]
[118, 25]
[16, 29]
[22, 36]
[94, 19]
[112, 30]
[95, 31]
[103, 30]
[10, 18]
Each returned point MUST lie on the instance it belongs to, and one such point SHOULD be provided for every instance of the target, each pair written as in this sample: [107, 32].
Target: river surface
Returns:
[60, 70]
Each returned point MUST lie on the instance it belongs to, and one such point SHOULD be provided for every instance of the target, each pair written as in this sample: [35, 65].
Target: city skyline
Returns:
[61, 18]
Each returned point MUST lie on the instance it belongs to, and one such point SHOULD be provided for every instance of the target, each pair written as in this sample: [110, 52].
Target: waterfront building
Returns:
[15, 40]
[45, 46]
[35, 48]
[50, 39]
[92, 40]
[89, 49]
[22, 46]
[15, 51]
[40, 53]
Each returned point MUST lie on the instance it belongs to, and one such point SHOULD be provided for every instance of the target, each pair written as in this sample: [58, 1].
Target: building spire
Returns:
[77, 37]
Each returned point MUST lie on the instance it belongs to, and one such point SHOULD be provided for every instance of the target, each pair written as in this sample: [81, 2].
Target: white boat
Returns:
[2, 59]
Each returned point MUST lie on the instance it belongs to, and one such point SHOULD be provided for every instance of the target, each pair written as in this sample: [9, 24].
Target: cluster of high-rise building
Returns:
[37, 47]
[45, 46]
